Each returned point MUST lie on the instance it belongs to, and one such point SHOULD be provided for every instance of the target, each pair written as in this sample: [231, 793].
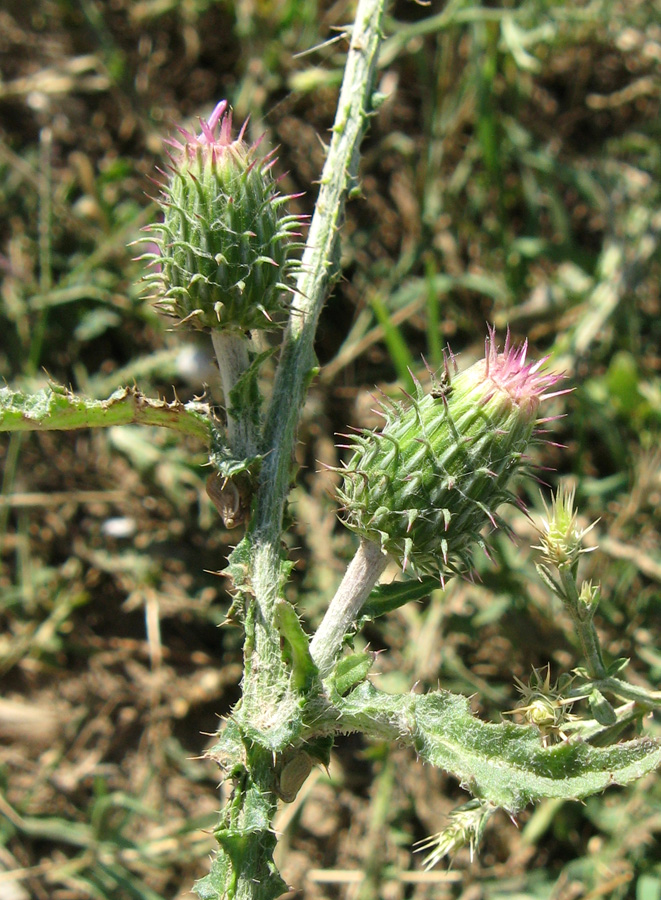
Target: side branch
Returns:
[363, 573]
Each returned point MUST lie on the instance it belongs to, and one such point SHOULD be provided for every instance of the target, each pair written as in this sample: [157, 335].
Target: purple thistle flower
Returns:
[508, 375]
[207, 140]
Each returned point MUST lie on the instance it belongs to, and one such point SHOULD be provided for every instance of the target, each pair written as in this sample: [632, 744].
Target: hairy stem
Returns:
[319, 266]
[258, 561]
[586, 631]
[645, 698]
[363, 573]
[231, 351]
[297, 362]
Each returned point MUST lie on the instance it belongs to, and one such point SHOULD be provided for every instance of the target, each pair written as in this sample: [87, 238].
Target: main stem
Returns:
[297, 362]
[259, 557]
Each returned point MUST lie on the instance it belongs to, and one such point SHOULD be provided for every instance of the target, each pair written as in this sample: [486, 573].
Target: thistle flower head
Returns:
[224, 247]
[425, 485]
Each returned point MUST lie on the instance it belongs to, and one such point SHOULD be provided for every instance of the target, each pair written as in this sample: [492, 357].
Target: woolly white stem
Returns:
[231, 351]
[363, 573]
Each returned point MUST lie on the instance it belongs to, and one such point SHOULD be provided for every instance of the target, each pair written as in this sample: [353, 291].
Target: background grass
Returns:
[511, 175]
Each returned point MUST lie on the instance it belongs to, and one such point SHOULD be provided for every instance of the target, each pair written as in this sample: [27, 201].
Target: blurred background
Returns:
[512, 175]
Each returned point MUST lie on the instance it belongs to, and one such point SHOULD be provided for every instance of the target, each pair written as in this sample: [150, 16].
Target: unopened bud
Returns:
[465, 828]
[224, 246]
[588, 600]
[561, 535]
[426, 484]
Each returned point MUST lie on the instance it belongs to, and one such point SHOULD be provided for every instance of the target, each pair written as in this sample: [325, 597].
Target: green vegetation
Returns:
[511, 174]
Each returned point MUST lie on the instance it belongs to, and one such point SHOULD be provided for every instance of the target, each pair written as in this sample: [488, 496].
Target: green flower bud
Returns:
[561, 535]
[544, 704]
[224, 246]
[425, 485]
[588, 600]
[465, 828]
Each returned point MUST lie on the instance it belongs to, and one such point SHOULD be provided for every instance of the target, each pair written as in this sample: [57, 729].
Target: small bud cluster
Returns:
[561, 536]
[465, 829]
[545, 704]
[425, 485]
[224, 246]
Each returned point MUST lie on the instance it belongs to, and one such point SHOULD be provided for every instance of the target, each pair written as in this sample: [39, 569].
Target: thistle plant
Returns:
[422, 492]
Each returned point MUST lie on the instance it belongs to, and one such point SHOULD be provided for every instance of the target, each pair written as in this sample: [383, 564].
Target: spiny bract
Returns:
[426, 484]
[223, 257]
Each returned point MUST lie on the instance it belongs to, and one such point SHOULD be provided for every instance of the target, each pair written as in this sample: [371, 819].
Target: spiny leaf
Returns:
[244, 866]
[504, 764]
[55, 408]
[303, 669]
[351, 670]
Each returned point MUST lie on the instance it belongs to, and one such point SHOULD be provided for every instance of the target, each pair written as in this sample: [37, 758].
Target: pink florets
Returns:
[524, 382]
[221, 116]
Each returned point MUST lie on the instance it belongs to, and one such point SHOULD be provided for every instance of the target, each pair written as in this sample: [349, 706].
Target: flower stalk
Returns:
[361, 576]
[232, 356]
[582, 617]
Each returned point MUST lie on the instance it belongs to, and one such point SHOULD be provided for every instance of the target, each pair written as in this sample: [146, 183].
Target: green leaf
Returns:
[505, 764]
[387, 597]
[55, 408]
[618, 666]
[303, 670]
[319, 749]
[549, 581]
[351, 670]
[601, 708]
